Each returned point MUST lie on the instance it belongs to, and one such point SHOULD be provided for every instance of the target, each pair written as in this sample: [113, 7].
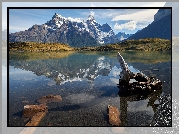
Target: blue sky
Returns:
[120, 20]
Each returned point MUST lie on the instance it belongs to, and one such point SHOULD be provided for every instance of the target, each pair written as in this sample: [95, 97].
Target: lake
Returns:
[87, 83]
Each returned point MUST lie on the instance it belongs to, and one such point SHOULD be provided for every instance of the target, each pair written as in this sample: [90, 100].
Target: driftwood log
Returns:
[142, 82]
[49, 99]
[30, 110]
[114, 114]
[36, 112]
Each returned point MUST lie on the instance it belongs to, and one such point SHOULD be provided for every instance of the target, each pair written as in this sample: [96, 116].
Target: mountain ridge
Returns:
[69, 30]
[159, 28]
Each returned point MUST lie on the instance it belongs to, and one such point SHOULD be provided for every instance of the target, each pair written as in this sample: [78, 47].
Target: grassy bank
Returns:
[149, 44]
[35, 46]
[153, 44]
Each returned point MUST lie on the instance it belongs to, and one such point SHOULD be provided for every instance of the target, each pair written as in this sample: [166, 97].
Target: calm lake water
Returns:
[87, 83]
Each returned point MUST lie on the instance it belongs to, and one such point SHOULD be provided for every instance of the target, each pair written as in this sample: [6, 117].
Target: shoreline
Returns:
[148, 44]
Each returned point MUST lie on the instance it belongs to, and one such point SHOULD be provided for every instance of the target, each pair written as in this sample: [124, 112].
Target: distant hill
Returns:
[159, 28]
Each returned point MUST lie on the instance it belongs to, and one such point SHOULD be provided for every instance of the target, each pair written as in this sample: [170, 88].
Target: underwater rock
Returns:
[114, 115]
[50, 98]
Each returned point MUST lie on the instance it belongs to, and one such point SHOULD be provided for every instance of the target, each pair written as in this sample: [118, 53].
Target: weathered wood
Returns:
[37, 112]
[50, 98]
[35, 120]
[30, 110]
[144, 83]
[114, 115]
[126, 74]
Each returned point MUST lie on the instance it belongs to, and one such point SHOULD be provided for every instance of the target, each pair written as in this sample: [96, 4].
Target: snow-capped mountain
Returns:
[103, 34]
[122, 36]
[72, 31]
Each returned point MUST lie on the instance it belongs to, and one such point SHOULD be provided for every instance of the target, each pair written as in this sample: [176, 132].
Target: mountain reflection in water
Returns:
[85, 80]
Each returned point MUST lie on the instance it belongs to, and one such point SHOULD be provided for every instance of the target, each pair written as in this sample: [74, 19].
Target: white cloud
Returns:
[131, 25]
[15, 28]
[92, 13]
[128, 4]
[144, 15]
[141, 25]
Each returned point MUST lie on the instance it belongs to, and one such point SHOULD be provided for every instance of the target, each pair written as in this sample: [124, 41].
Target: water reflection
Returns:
[125, 99]
[67, 69]
[86, 80]
[70, 66]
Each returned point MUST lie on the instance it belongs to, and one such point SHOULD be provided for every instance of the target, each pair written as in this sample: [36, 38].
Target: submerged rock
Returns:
[50, 98]
[114, 115]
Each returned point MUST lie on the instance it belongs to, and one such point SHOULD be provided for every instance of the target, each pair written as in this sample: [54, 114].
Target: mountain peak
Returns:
[91, 17]
[57, 15]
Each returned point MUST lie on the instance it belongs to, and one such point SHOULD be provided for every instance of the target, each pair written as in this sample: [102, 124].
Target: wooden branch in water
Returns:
[35, 120]
[143, 82]
[114, 115]
[35, 112]
[126, 74]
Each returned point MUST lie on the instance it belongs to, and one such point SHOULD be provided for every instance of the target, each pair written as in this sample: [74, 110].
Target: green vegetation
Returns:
[148, 44]
[35, 46]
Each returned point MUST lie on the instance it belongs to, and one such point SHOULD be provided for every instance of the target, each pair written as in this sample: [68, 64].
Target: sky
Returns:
[120, 20]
